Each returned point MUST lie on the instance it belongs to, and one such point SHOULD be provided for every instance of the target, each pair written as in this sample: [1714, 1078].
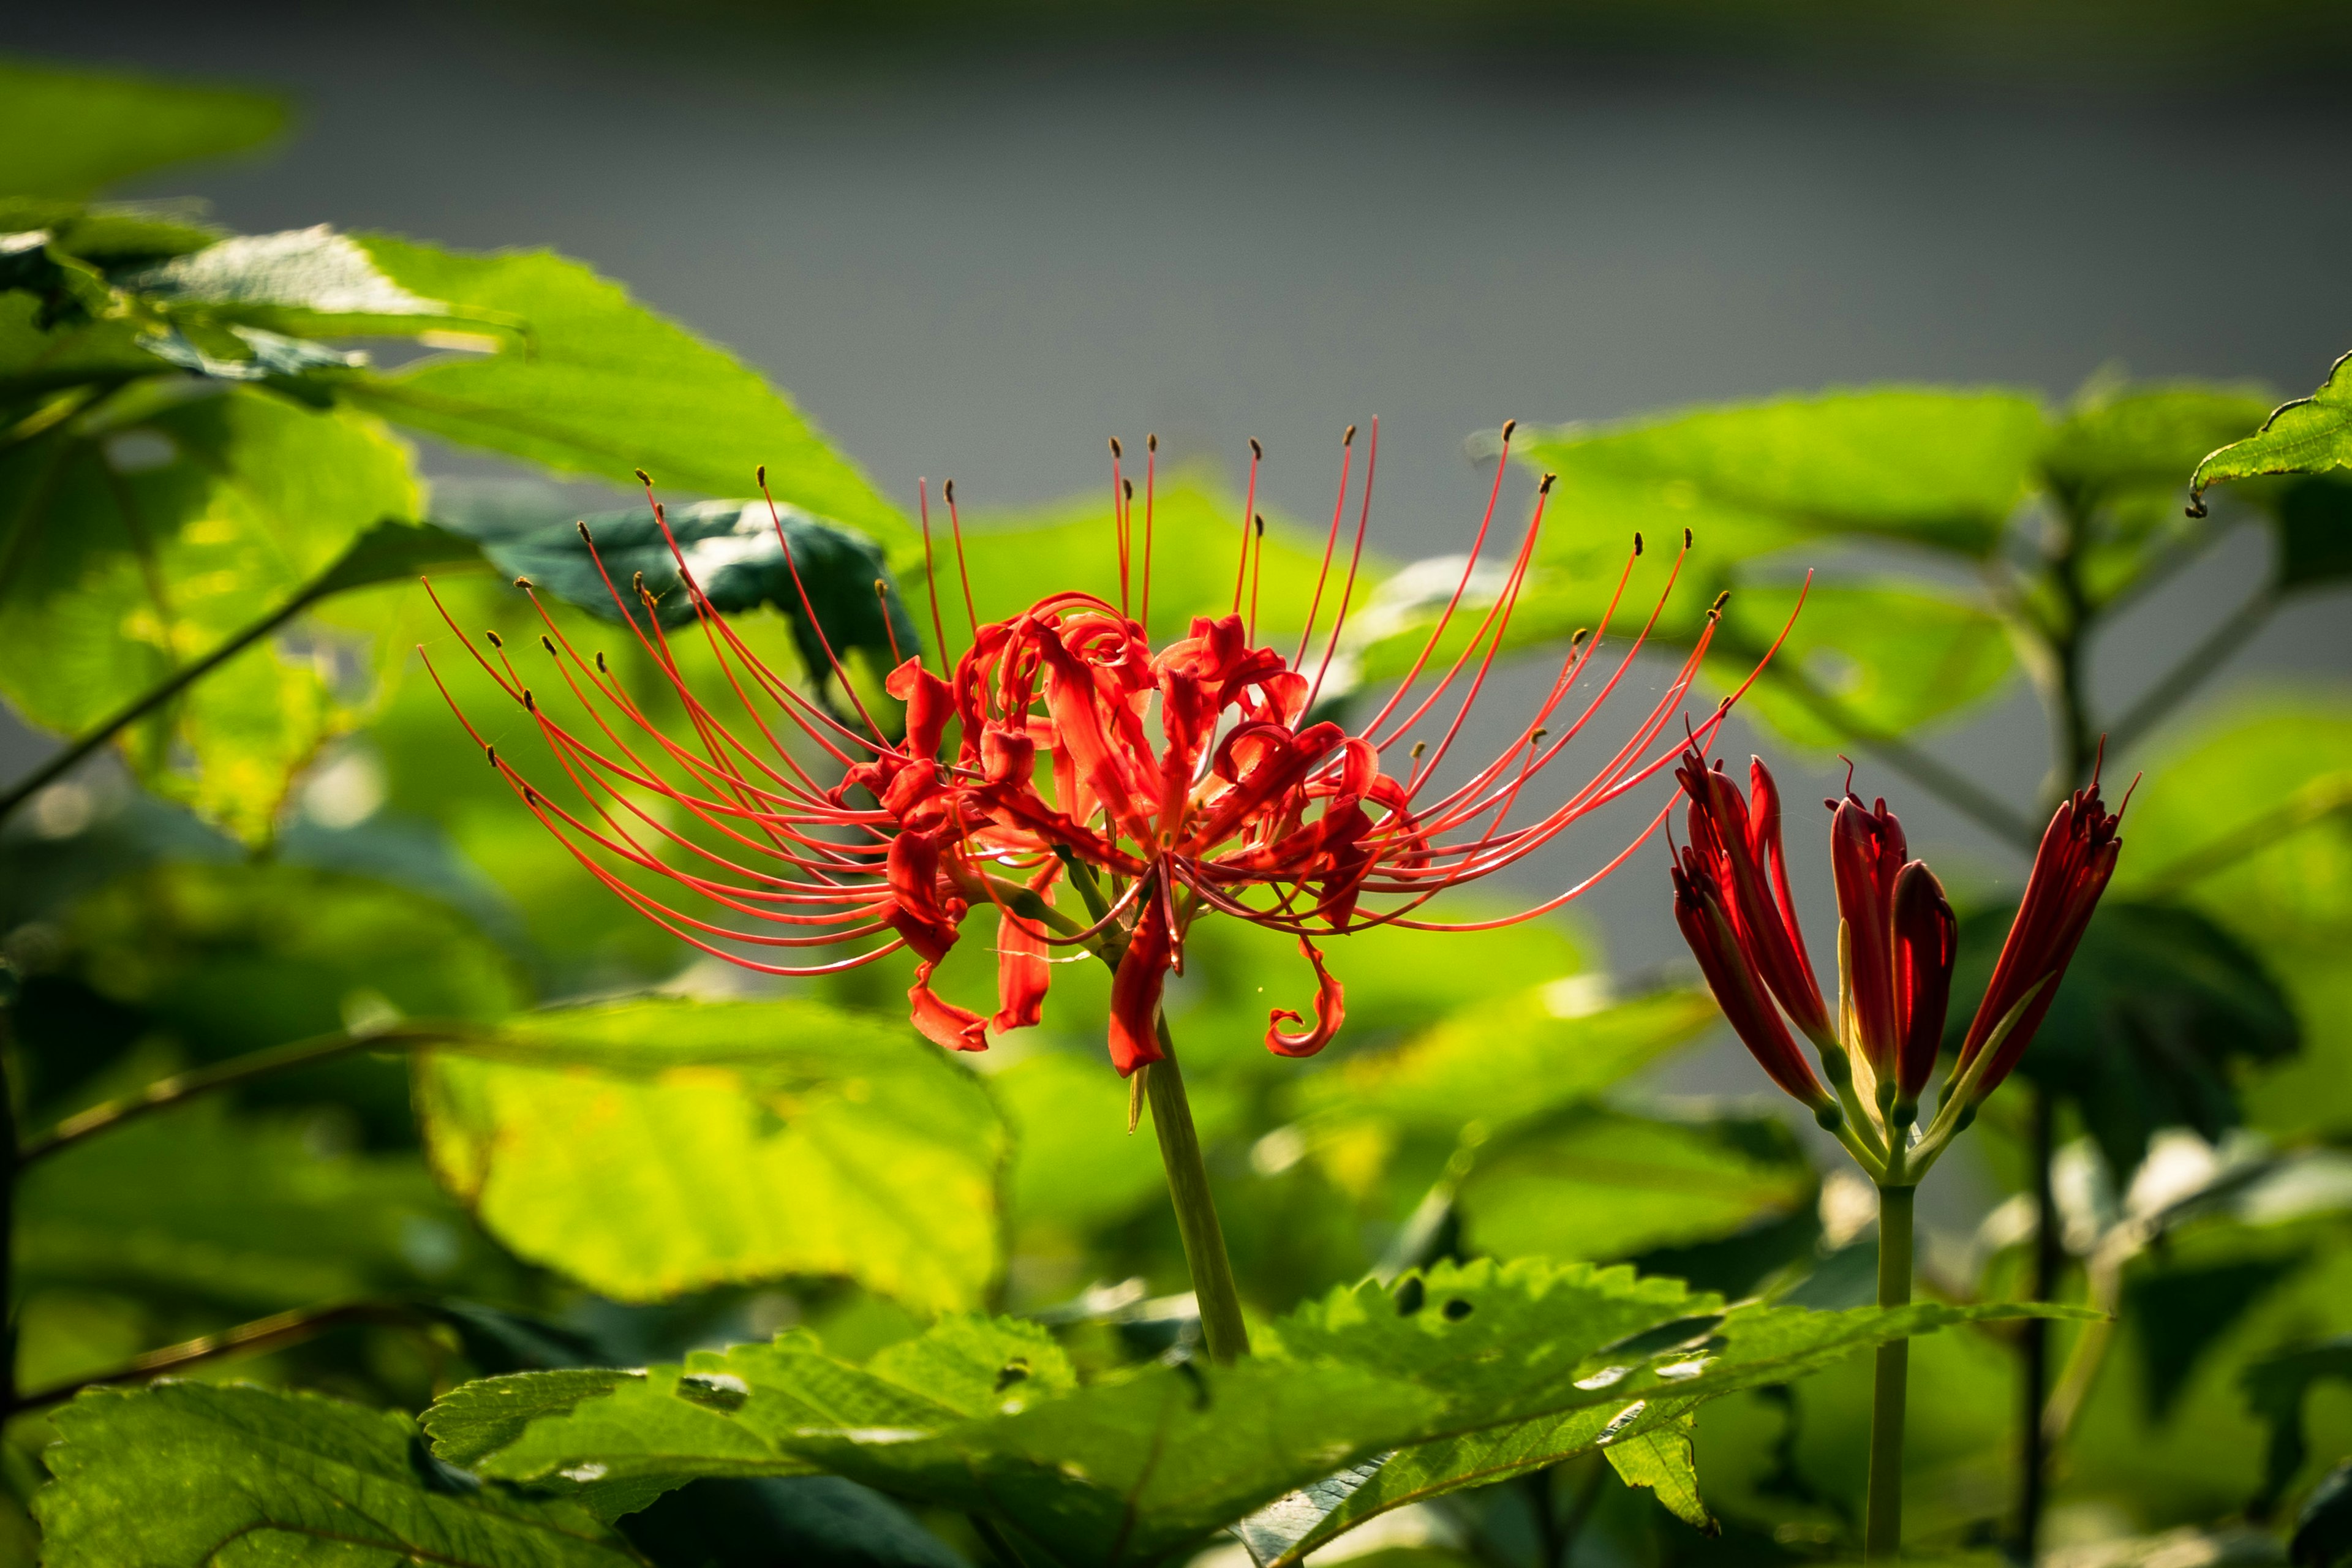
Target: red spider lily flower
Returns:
[1158, 787]
[1898, 943]
[2070, 871]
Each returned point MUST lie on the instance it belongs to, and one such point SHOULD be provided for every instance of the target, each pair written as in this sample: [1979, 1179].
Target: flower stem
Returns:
[1196, 1213]
[1883, 1529]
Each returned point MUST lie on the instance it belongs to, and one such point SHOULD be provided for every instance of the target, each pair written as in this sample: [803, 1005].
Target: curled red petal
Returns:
[1866, 854]
[1023, 971]
[1135, 990]
[941, 1021]
[1330, 1012]
[1706, 922]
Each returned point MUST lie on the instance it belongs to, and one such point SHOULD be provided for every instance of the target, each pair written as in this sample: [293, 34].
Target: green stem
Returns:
[147, 702]
[1196, 1212]
[274, 1332]
[1883, 1529]
[172, 1091]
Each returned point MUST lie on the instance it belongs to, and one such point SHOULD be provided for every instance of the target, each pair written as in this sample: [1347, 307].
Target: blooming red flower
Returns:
[1062, 754]
[1897, 944]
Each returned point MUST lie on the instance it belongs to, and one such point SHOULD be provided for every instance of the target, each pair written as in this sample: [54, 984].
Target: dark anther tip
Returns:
[1116, 450]
[1256, 450]
[1545, 488]
[1637, 544]
[1152, 443]
[1687, 539]
[1349, 438]
[585, 537]
[947, 488]
[643, 478]
[547, 642]
[523, 583]
[759, 475]
[495, 640]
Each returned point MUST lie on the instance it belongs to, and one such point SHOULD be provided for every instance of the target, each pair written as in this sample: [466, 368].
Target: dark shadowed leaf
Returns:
[2158, 1010]
[2278, 1388]
[179, 1475]
[822, 1521]
[733, 551]
[2323, 1530]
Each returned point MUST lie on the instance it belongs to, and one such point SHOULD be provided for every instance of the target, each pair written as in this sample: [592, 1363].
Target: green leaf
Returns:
[2309, 436]
[1888, 659]
[1603, 1184]
[139, 547]
[651, 1148]
[1506, 1062]
[307, 281]
[757, 1522]
[241, 1215]
[1916, 464]
[2248, 815]
[1144, 1464]
[2156, 1007]
[2277, 1388]
[1660, 1458]
[2122, 442]
[596, 384]
[2323, 1529]
[188, 1476]
[70, 132]
[733, 550]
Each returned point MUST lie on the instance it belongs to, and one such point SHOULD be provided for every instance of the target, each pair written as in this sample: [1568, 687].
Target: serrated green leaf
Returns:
[305, 281]
[2138, 437]
[650, 1148]
[1604, 1184]
[2308, 435]
[593, 383]
[71, 133]
[1145, 1464]
[177, 1475]
[149, 545]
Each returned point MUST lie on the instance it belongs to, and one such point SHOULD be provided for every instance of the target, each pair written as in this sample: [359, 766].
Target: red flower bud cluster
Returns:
[1897, 944]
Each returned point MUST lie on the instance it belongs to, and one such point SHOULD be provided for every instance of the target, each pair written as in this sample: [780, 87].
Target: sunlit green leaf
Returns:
[651, 1148]
[1916, 464]
[71, 133]
[2309, 436]
[186, 1476]
[148, 545]
[1887, 659]
[1660, 1458]
[1505, 1062]
[1604, 1184]
[593, 383]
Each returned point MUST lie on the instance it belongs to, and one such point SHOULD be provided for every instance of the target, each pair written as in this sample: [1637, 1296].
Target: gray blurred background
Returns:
[974, 241]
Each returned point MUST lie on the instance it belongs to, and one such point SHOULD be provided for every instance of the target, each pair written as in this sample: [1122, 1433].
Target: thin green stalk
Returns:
[1883, 1529]
[1196, 1212]
[271, 1333]
[148, 702]
[236, 1070]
